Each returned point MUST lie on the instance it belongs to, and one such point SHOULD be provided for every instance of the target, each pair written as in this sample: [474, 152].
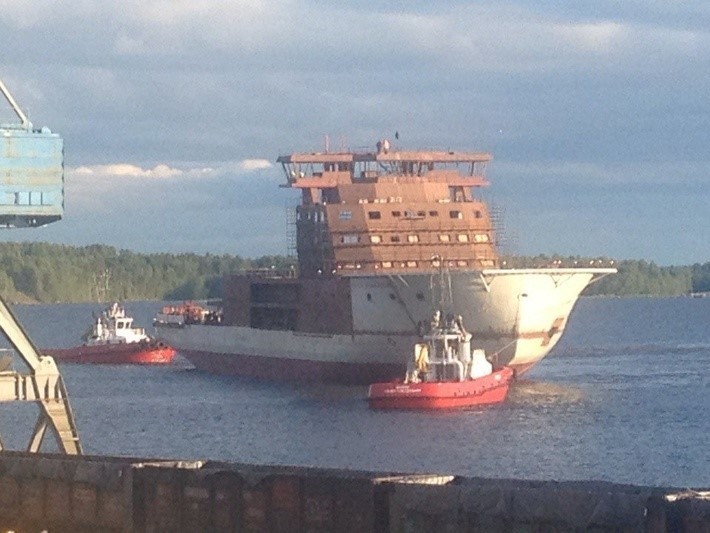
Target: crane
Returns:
[32, 194]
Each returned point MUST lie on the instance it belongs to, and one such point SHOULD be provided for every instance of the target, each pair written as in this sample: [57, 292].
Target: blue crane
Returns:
[32, 195]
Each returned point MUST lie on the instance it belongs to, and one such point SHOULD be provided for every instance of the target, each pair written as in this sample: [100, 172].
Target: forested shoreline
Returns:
[52, 273]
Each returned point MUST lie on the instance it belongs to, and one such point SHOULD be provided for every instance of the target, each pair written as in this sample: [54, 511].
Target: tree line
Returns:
[44, 272]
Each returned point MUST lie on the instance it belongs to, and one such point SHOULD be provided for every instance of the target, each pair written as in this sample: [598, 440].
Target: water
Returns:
[624, 397]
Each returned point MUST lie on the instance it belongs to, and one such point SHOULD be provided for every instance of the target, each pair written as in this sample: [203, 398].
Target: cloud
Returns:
[599, 37]
[254, 164]
[164, 171]
[126, 170]
[321, 37]
[106, 188]
[188, 103]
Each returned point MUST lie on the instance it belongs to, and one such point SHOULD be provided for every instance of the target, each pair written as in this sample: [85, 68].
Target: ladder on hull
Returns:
[43, 385]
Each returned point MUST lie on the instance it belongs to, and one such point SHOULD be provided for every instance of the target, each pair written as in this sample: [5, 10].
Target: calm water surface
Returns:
[624, 397]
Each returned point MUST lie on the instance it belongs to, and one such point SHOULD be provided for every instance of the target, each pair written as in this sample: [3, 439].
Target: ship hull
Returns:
[283, 369]
[115, 354]
[516, 316]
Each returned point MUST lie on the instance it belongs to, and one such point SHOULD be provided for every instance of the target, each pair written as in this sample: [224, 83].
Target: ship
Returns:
[445, 373]
[113, 339]
[372, 230]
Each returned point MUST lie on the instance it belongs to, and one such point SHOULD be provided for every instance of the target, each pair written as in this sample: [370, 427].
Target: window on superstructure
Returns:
[386, 264]
[456, 194]
[374, 215]
[330, 196]
[455, 214]
[414, 214]
[411, 264]
[375, 239]
[444, 237]
[412, 238]
[345, 215]
[433, 213]
[394, 238]
[462, 237]
[349, 238]
[461, 263]
[480, 237]
[396, 214]
[477, 214]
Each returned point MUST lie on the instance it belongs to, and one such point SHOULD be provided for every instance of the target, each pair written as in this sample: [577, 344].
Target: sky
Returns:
[173, 113]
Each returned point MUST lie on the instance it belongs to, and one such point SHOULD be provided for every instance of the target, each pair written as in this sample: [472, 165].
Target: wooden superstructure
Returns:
[390, 211]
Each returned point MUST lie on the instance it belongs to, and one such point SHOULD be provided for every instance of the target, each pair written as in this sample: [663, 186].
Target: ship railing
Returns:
[271, 273]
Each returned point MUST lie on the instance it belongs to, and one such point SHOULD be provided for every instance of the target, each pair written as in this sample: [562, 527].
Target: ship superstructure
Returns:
[390, 212]
[373, 229]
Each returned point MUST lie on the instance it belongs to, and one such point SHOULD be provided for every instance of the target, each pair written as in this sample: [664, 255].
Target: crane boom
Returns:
[26, 124]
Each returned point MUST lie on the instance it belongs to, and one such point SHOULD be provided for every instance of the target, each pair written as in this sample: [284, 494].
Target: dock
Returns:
[53, 492]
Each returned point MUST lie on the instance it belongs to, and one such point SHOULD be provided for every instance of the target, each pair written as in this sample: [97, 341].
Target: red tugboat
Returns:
[444, 374]
[113, 340]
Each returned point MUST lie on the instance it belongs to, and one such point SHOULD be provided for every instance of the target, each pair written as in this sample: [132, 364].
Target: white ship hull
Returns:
[516, 316]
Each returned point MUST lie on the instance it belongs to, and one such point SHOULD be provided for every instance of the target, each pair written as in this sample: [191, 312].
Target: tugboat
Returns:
[444, 372]
[112, 339]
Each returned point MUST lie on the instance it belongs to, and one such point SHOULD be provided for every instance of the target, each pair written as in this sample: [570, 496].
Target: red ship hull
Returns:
[441, 394]
[135, 353]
